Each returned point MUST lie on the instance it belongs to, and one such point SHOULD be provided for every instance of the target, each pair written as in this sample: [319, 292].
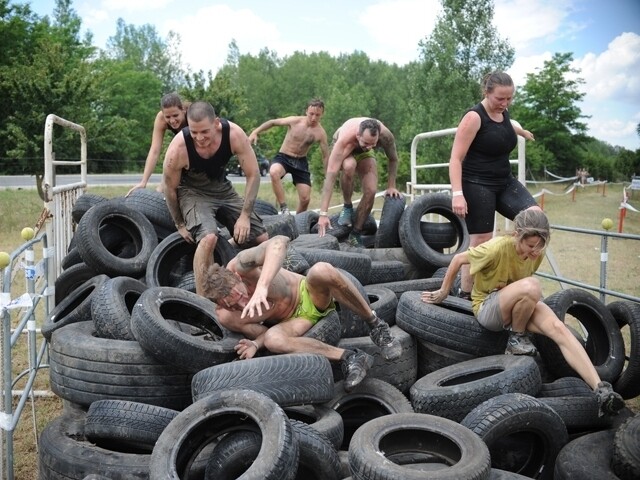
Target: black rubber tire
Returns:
[450, 325]
[452, 392]
[264, 208]
[139, 230]
[351, 323]
[313, 240]
[371, 398]
[357, 264]
[439, 235]
[76, 307]
[294, 261]
[83, 203]
[65, 453]
[305, 221]
[383, 271]
[433, 357]
[173, 258]
[588, 456]
[327, 330]
[323, 419]
[578, 412]
[339, 231]
[523, 434]
[604, 345]
[216, 415]
[401, 372]
[280, 225]
[289, 379]
[187, 282]
[417, 284]
[71, 258]
[627, 314]
[565, 387]
[85, 368]
[113, 423]
[72, 278]
[417, 249]
[153, 206]
[384, 301]
[625, 461]
[156, 322]
[462, 454]
[232, 455]
[112, 304]
[387, 235]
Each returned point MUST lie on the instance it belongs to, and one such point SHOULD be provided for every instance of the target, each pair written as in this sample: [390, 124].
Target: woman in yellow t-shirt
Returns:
[506, 296]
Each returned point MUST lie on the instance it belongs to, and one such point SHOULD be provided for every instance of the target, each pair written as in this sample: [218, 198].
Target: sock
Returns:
[348, 205]
[346, 354]
[282, 205]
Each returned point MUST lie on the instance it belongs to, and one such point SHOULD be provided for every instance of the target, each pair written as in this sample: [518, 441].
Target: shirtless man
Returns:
[352, 151]
[273, 307]
[302, 132]
[197, 191]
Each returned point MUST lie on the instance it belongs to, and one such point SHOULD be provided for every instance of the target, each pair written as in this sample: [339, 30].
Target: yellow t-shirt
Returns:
[494, 265]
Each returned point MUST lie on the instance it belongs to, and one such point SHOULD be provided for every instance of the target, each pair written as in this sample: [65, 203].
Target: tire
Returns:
[433, 357]
[383, 271]
[565, 387]
[72, 278]
[65, 453]
[264, 208]
[280, 225]
[419, 284]
[351, 324]
[461, 454]
[523, 434]
[387, 235]
[628, 314]
[139, 230]
[173, 258]
[588, 456]
[156, 322]
[85, 368]
[289, 379]
[626, 450]
[294, 261]
[327, 330]
[357, 264]
[76, 307]
[384, 301]
[223, 413]
[83, 203]
[450, 325]
[153, 206]
[114, 423]
[452, 392]
[579, 413]
[305, 221]
[112, 304]
[604, 343]
[339, 231]
[71, 258]
[323, 419]
[371, 398]
[439, 235]
[313, 240]
[417, 249]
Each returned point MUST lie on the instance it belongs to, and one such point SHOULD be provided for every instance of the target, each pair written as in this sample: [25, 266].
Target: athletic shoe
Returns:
[381, 336]
[355, 368]
[610, 402]
[285, 210]
[355, 240]
[519, 344]
[462, 294]
[345, 219]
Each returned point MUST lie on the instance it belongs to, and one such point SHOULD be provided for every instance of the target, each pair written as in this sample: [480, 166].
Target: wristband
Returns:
[323, 214]
[457, 193]
[255, 345]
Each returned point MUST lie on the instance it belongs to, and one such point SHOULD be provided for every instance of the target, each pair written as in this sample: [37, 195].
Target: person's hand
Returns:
[246, 348]
[241, 229]
[184, 233]
[136, 187]
[256, 302]
[459, 205]
[253, 138]
[436, 296]
[392, 192]
[528, 135]
[323, 225]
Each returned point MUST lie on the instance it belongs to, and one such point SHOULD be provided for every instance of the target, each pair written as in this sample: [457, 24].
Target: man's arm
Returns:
[241, 147]
[339, 152]
[274, 122]
[171, 175]
[324, 149]
[388, 143]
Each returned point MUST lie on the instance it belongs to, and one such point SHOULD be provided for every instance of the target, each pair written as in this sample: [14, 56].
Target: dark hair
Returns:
[171, 100]
[198, 111]
[532, 223]
[218, 282]
[316, 102]
[370, 124]
[495, 79]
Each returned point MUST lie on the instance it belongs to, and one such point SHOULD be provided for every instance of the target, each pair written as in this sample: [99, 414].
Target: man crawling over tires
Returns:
[273, 307]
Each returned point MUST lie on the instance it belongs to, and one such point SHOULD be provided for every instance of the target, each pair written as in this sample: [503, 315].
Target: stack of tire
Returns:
[151, 388]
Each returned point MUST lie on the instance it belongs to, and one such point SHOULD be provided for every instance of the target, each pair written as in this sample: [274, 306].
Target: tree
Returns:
[547, 105]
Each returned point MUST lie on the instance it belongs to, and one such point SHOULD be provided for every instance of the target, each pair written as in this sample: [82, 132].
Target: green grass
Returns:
[577, 256]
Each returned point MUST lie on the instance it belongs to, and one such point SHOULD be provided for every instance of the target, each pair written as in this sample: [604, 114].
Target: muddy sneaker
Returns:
[355, 240]
[462, 294]
[519, 344]
[381, 335]
[355, 368]
[284, 210]
[610, 402]
[345, 217]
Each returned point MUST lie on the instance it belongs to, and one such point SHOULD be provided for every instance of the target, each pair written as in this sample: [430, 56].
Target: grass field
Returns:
[577, 256]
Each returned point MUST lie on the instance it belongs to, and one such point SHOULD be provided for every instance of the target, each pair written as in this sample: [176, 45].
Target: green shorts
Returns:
[363, 155]
[307, 310]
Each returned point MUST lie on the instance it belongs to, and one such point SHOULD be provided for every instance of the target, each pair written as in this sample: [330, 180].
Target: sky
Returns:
[603, 36]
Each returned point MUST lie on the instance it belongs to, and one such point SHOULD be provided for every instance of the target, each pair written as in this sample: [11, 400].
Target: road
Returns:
[29, 181]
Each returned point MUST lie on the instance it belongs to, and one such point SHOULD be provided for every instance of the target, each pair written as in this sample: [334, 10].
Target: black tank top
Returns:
[215, 166]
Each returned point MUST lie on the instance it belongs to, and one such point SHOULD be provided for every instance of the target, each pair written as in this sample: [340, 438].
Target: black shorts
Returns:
[483, 201]
[297, 167]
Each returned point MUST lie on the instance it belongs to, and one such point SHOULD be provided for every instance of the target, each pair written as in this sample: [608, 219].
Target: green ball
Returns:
[27, 233]
[607, 224]
[4, 259]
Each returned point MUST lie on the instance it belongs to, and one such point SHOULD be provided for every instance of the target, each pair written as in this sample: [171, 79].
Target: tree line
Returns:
[46, 66]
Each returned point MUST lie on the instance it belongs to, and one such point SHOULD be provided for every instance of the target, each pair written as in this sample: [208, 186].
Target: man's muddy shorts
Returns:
[483, 201]
[489, 314]
[307, 310]
[216, 205]
[298, 167]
